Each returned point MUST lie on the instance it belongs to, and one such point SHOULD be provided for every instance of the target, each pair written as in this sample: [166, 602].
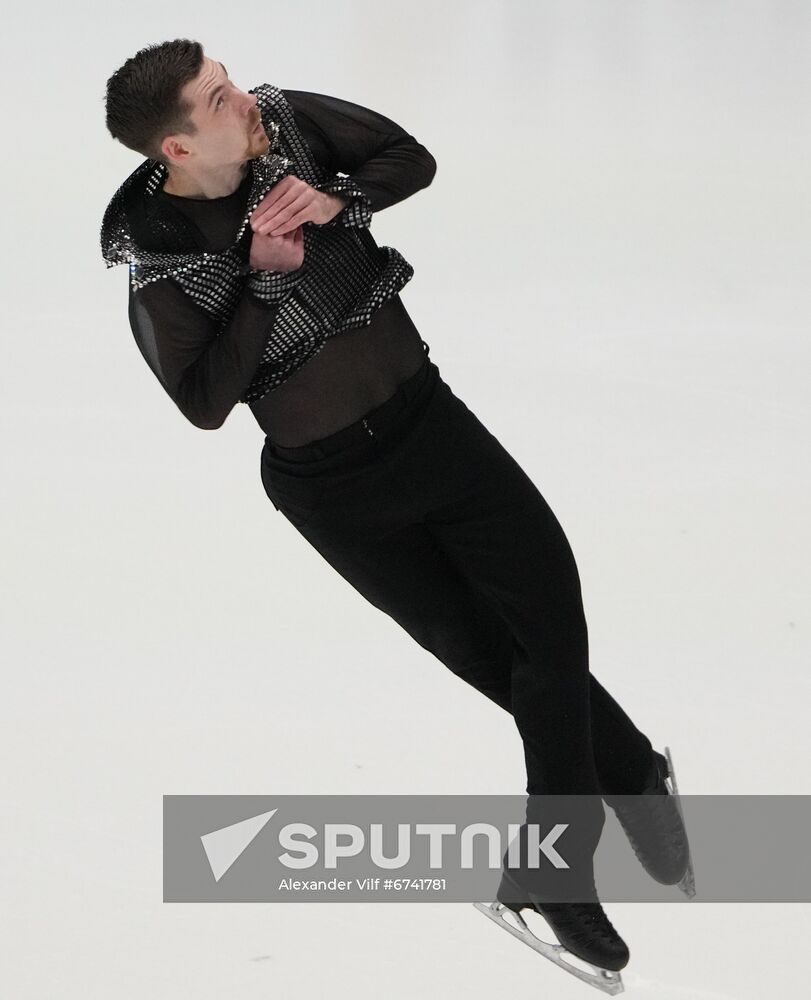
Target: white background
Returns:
[611, 268]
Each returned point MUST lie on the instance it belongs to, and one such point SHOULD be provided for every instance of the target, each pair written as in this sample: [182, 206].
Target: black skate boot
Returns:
[653, 823]
[587, 947]
[582, 928]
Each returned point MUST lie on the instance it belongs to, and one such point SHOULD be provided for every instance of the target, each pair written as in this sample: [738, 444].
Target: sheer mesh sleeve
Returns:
[385, 163]
[203, 371]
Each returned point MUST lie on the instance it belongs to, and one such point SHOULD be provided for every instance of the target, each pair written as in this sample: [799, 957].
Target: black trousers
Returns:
[422, 510]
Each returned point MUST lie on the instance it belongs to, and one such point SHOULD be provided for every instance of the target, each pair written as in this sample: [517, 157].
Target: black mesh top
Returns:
[206, 369]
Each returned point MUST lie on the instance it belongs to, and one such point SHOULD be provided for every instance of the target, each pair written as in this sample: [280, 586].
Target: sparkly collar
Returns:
[137, 227]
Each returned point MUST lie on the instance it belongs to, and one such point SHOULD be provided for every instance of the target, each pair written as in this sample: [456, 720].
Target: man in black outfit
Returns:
[368, 452]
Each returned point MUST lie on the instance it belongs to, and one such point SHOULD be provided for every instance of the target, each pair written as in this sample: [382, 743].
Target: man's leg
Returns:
[398, 566]
[504, 541]
[366, 530]
[473, 641]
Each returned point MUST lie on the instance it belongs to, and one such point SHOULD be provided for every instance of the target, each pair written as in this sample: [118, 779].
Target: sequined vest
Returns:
[346, 276]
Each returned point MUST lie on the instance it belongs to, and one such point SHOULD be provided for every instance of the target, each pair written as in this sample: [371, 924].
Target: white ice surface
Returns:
[611, 268]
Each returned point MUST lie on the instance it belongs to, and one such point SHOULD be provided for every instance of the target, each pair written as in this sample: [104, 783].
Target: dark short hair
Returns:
[143, 97]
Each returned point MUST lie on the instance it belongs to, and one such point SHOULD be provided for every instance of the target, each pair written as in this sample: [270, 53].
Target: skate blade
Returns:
[603, 979]
[687, 883]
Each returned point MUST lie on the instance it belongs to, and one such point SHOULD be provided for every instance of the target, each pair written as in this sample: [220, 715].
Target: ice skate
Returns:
[582, 929]
[654, 825]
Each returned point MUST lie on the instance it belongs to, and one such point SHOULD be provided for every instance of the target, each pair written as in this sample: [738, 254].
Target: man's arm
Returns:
[385, 163]
[203, 371]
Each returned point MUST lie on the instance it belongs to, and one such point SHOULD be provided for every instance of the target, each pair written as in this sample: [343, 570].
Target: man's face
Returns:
[226, 118]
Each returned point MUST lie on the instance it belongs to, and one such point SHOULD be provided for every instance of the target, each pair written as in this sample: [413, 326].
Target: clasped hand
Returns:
[292, 202]
[277, 243]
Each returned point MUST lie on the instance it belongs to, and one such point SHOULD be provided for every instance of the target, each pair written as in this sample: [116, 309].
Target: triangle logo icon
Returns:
[225, 845]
